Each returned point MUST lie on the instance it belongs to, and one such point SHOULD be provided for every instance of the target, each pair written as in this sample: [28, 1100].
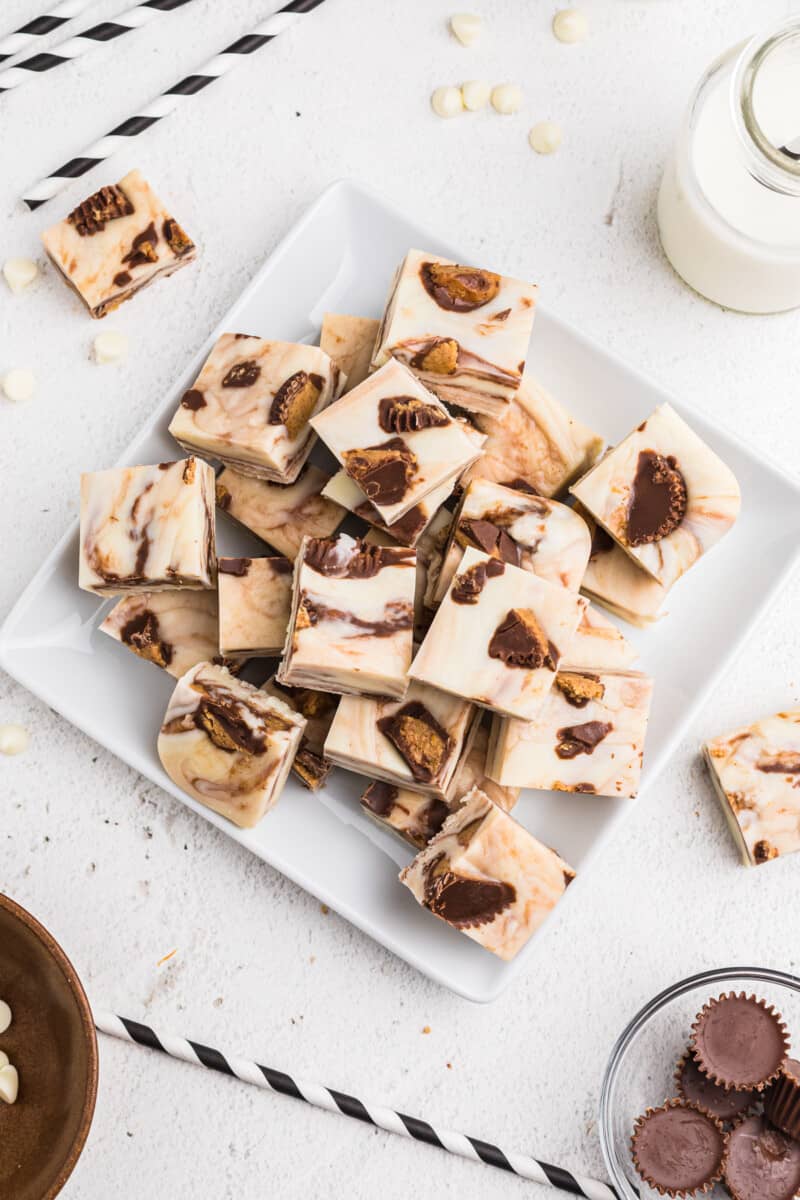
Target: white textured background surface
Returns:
[121, 873]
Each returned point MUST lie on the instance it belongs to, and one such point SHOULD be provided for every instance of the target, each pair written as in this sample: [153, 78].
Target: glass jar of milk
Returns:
[729, 204]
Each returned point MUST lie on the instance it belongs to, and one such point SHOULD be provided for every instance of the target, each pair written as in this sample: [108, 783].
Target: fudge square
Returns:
[588, 737]
[255, 603]
[115, 243]
[281, 514]
[395, 440]
[498, 636]
[227, 744]
[352, 618]
[174, 630]
[615, 580]
[408, 529]
[756, 774]
[144, 529]
[485, 875]
[464, 331]
[663, 495]
[416, 742]
[250, 405]
[318, 708]
[349, 342]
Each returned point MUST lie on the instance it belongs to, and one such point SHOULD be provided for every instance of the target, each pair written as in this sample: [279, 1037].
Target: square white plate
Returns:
[340, 258]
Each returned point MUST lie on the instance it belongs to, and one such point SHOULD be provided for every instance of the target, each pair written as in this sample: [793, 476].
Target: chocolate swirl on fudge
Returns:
[419, 739]
[459, 289]
[405, 529]
[384, 472]
[469, 585]
[520, 641]
[234, 566]
[380, 798]
[658, 499]
[490, 538]
[398, 615]
[242, 374]
[143, 248]
[295, 401]
[581, 739]
[143, 634]
[464, 902]
[785, 762]
[408, 414]
[338, 560]
[107, 204]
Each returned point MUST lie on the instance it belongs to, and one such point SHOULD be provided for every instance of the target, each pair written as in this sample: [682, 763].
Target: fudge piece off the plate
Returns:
[318, 709]
[756, 773]
[395, 440]
[416, 742]
[175, 630]
[614, 580]
[144, 529]
[664, 496]
[463, 330]
[281, 514]
[588, 737]
[250, 405]
[498, 636]
[485, 875]
[227, 744]
[255, 603]
[349, 341]
[352, 618]
[118, 241]
[408, 529]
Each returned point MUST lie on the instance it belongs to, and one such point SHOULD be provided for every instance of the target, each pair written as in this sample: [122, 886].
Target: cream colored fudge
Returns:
[251, 403]
[281, 514]
[416, 742]
[588, 737]
[255, 604]
[352, 618]
[144, 529]
[536, 442]
[115, 243]
[175, 630]
[227, 744]
[485, 875]
[664, 496]
[430, 549]
[498, 636]
[407, 531]
[614, 580]
[318, 710]
[395, 440]
[464, 331]
[539, 535]
[598, 642]
[349, 341]
[756, 774]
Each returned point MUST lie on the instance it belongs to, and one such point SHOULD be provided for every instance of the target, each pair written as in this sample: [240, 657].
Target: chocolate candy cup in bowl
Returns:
[52, 1043]
[641, 1069]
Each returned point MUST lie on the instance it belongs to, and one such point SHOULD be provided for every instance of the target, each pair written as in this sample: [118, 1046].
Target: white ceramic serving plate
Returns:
[340, 258]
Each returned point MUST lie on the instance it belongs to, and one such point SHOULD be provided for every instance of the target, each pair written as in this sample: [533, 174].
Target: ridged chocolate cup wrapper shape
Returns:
[739, 1041]
[762, 1163]
[679, 1149]
[697, 1088]
[782, 1101]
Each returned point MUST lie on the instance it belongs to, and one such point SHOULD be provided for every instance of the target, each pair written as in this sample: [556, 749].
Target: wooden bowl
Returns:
[53, 1045]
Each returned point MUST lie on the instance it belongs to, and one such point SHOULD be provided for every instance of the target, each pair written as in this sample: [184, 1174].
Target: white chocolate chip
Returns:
[545, 137]
[447, 102]
[4, 1059]
[6, 1017]
[466, 27]
[19, 384]
[110, 346]
[13, 740]
[475, 94]
[9, 1084]
[20, 273]
[507, 98]
[570, 25]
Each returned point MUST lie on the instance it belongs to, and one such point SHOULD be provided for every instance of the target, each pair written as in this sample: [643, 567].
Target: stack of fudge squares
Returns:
[447, 650]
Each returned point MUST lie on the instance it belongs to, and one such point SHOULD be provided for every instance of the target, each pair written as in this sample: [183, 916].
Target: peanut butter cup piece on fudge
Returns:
[174, 630]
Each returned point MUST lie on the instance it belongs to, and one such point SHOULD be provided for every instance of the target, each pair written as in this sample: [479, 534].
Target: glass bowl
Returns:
[641, 1070]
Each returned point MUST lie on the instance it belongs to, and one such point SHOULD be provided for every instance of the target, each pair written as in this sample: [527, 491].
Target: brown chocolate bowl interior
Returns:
[53, 1045]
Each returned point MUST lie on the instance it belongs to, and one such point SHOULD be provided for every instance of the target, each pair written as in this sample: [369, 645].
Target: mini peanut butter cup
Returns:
[739, 1042]
[679, 1149]
[762, 1163]
[782, 1101]
[698, 1089]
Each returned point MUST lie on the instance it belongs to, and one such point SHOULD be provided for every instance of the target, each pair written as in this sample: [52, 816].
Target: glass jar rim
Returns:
[767, 162]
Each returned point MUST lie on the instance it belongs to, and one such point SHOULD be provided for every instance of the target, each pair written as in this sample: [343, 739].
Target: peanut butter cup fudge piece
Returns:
[663, 495]
[349, 341]
[588, 737]
[416, 742]
[614, 580]
[498, 636]
[408, 529]
[485, 875]
[144, 529]
[255, 603]
[281, 514]
[115, 243]
[352, 618]
[756, 773]
[251, 403]
[464, 331]
[395, 440]
[174, 630]
[227, 744]
[318, 710]
[598, 644]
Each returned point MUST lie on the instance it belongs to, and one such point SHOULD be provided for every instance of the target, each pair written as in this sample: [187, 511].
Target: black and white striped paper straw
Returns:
[74, 47]
[168, 101]
[349, 1106]
[28, 35]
